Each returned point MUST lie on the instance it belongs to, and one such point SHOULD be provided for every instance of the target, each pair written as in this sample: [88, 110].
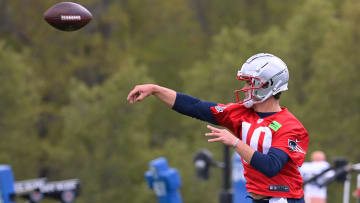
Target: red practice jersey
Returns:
[280, 130]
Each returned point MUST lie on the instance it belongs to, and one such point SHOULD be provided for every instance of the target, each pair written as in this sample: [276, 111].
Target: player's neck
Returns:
[270, 105]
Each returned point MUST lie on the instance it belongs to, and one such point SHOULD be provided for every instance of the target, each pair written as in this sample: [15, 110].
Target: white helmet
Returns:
[266, 75]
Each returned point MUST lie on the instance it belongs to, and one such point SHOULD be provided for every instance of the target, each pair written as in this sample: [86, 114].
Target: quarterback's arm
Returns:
[140, 92]
[181, 103]
[194, 107]
[269, 164]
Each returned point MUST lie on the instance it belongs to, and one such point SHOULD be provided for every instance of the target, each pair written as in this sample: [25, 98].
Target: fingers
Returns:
[139, 93]
[132, 95]
[213, 129]
[214, 134]
[211, 134]
[135, 95]
[139, 96]
[221, 135]
[215, 139]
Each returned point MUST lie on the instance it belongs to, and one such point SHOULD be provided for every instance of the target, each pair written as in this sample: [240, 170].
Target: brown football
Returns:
[67, 16]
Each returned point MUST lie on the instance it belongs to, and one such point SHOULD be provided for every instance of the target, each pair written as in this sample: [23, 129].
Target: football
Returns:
[67, 16]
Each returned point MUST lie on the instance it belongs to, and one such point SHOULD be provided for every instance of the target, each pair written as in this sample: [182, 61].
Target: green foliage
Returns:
[305, 34]
[333, 84]
[19, 106]
[63, 94]
[99, 136]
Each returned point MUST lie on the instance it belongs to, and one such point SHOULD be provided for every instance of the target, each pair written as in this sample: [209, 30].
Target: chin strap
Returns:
[248, 104]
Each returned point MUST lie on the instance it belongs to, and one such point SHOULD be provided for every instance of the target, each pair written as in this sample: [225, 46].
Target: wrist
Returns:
[236, 142]
[155, 89]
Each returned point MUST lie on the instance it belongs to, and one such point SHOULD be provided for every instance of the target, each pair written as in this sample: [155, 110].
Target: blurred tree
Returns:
[255, 16]
[19, 106]
[164, 35]
[332, 112]
[332, 87]
[315, 17]
[100, 139]
[63, 93]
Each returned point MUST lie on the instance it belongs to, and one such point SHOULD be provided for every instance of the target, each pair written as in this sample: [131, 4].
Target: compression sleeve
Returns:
[194, 107]
[271, 163]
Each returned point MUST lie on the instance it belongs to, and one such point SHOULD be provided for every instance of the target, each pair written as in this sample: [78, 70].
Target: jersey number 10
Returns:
[260, 138]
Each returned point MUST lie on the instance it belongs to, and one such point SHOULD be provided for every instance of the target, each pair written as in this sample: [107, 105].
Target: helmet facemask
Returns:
[257, 91]
[250, 91]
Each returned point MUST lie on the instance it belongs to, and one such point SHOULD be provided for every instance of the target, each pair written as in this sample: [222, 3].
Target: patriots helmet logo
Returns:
[294, 147]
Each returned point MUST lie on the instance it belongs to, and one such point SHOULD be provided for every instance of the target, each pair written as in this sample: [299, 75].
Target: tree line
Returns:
[63, 94]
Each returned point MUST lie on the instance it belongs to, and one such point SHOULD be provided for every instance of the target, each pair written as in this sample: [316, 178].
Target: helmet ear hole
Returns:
[266, 85]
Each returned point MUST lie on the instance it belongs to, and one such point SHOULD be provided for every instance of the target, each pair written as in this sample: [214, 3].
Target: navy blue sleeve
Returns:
[194, 107]
[271, 163]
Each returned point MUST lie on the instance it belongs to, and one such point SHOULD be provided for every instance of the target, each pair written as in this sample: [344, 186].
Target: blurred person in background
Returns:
[270, 140]
[313, 192]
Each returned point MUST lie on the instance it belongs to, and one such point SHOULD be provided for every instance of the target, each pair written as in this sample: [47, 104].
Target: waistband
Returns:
[259, 197]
